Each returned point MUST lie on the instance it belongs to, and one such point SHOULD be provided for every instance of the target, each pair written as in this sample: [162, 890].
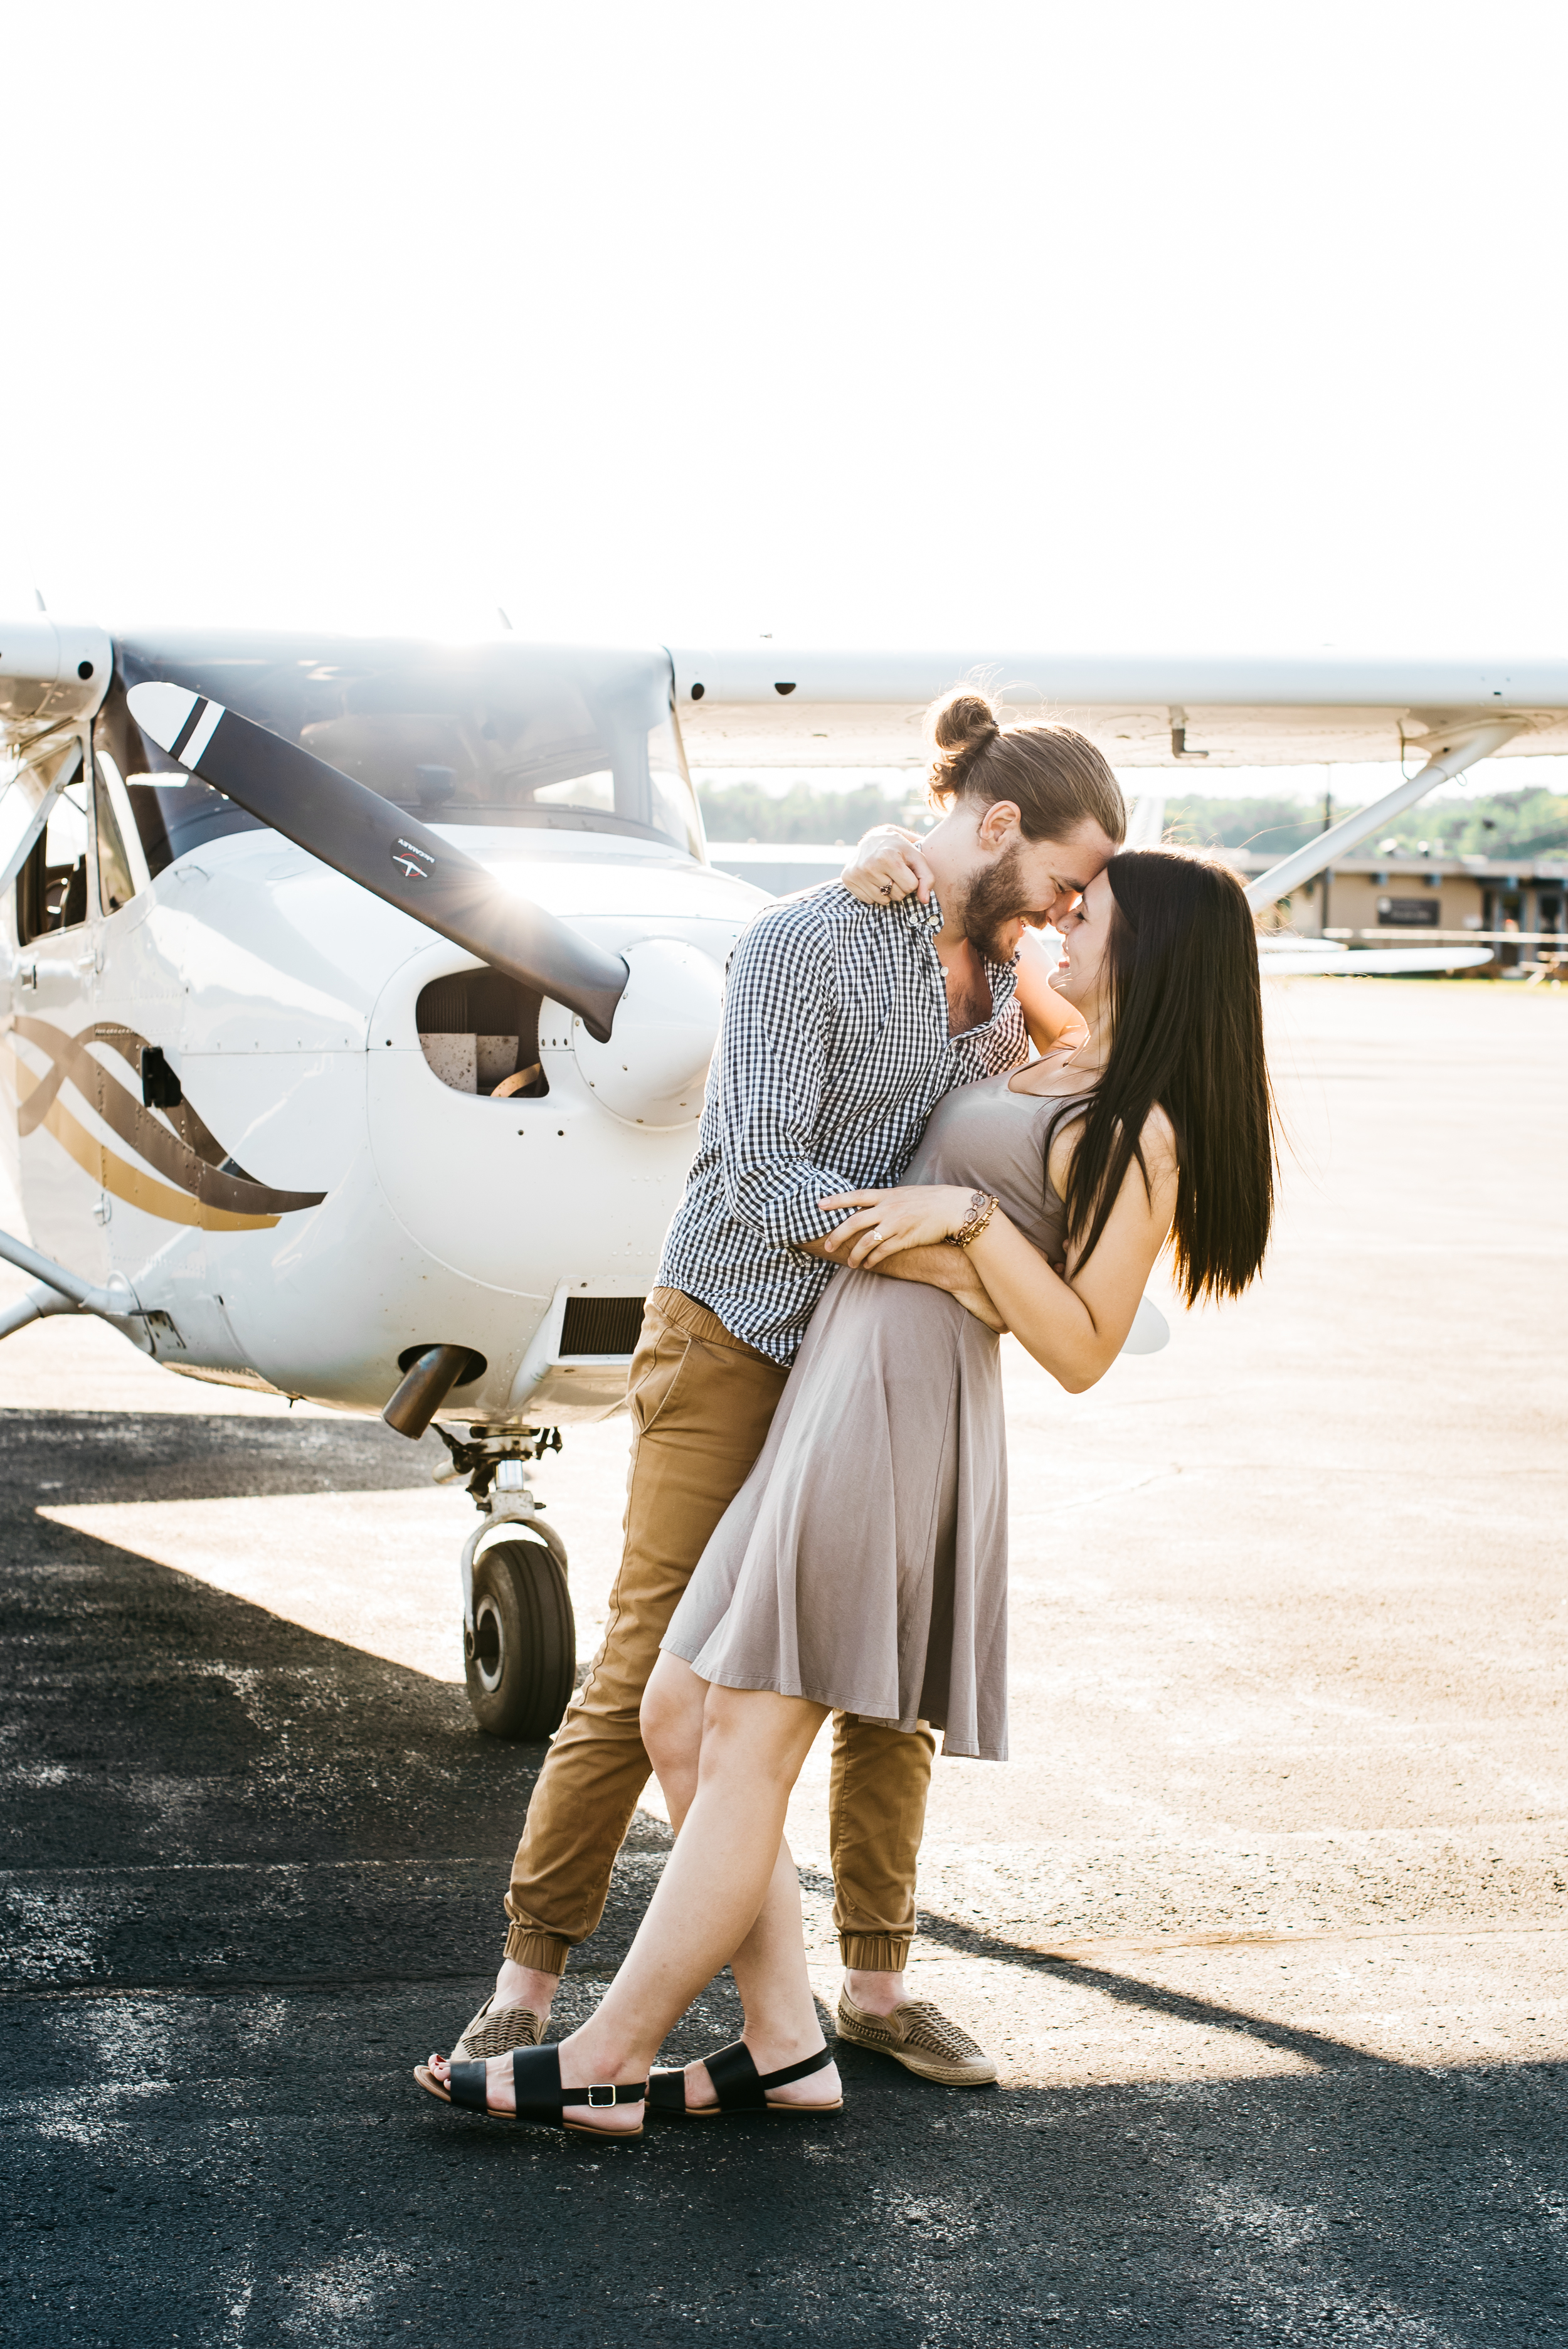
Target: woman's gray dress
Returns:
[863, 1563]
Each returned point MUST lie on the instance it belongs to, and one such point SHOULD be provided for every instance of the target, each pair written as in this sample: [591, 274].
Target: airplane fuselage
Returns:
[253, 1096]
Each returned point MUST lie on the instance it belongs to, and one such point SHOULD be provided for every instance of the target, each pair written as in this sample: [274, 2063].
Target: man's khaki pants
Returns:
[701, 1402]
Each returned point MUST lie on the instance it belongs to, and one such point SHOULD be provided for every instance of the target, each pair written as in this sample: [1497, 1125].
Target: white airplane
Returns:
[361, 993]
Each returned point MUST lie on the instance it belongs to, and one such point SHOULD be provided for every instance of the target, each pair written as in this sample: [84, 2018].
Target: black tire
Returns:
[521, 1660]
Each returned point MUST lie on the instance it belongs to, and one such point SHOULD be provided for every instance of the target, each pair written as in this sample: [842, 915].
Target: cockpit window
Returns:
[498, 734]
[116, 886]
[472, 767]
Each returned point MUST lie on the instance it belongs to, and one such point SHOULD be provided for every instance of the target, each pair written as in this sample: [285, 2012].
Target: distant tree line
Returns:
[747, 811]
[1506, 823]
[1273, 827]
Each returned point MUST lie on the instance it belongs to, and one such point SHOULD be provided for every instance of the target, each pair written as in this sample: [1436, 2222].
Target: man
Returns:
[844, 1024]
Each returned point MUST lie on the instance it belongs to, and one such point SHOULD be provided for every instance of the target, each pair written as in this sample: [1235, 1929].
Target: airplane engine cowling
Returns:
[653, 1069]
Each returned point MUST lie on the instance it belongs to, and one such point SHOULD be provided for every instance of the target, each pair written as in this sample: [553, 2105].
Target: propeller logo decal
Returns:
[414, 863]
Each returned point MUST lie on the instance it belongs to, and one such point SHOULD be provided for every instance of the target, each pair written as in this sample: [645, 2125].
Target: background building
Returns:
[1517, 905]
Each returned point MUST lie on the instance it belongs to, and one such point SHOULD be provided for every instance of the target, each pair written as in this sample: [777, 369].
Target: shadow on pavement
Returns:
[1126, 1989]
[92, 1455]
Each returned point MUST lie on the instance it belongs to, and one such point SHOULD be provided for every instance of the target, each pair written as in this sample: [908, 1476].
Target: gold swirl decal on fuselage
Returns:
[208, 1189]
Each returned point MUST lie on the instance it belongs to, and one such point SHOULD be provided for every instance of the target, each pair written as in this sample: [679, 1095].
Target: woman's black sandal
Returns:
[536, 2085]
[738, 2086]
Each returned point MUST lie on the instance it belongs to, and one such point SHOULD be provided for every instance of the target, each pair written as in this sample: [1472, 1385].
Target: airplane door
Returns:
[53, 1002]
[155, 1232]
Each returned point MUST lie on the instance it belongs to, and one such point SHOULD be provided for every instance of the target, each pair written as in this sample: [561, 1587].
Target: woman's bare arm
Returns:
[1055, 1025]
[1073, 1324]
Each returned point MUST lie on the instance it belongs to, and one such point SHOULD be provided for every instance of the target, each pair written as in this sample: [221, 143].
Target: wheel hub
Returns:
[489, 1645]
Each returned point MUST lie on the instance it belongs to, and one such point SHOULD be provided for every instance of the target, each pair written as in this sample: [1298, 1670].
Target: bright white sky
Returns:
[1020, 324]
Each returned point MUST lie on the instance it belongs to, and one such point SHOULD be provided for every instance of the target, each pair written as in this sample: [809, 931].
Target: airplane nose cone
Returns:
[653, 1069]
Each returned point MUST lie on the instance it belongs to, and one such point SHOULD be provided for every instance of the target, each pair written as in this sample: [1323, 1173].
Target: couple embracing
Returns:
[915, 1137]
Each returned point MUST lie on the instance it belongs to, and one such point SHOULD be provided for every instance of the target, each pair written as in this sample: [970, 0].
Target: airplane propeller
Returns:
[384, 849]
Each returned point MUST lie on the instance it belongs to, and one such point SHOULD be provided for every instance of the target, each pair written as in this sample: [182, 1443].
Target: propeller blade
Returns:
[387, 851]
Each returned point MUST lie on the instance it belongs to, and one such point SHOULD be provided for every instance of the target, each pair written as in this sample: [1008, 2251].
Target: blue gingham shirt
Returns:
[833, 1053]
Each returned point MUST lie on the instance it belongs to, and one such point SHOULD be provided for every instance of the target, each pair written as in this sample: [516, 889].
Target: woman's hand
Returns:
[913, 1215]
[886, 866]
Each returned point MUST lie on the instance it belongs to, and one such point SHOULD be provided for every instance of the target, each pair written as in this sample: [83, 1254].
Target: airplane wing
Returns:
[50, 672]
[773, 705]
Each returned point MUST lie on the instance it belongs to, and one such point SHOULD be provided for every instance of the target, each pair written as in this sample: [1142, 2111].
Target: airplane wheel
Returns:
[522, 1659]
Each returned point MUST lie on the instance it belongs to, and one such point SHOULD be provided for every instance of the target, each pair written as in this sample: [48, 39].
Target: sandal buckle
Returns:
[602, 2092]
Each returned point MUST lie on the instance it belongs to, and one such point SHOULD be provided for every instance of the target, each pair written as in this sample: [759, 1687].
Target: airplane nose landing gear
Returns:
[519, 1638]
[521, 1656]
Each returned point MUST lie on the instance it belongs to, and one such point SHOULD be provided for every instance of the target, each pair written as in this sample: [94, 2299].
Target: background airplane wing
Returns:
[1294, 957]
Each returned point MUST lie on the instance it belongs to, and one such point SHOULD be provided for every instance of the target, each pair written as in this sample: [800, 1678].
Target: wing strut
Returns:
[25, 807]
[59, 1292]
[1461, 749]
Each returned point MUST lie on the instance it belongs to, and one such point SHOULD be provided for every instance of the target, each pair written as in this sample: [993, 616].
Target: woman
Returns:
[863, 1564]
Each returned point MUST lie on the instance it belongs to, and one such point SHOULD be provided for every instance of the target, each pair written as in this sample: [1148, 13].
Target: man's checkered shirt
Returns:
[833, 1053]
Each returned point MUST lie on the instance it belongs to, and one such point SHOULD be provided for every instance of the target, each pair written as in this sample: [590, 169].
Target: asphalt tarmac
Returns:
[1264, 1921]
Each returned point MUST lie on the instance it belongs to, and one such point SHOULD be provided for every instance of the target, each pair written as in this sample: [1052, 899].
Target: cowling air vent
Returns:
[480, 1033]
[602, 1325]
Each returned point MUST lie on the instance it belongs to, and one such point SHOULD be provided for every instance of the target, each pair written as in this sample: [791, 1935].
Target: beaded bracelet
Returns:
[982, 1207]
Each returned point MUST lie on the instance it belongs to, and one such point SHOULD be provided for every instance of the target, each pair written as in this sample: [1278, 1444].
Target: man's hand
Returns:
[888, 865]
[949, 1269]
[938, 1267]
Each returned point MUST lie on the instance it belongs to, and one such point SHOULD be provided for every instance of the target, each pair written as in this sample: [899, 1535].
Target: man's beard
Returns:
[996, 895]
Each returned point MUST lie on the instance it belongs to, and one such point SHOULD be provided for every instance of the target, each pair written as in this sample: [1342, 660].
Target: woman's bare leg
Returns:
[708, 1899]
[770, 1966]
[674, 1703]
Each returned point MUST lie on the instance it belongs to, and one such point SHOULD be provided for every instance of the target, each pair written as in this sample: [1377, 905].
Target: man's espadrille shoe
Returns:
[919, 2036]
[496, 2031]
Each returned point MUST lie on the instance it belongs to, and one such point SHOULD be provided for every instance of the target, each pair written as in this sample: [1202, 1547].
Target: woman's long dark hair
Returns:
[1181, 972]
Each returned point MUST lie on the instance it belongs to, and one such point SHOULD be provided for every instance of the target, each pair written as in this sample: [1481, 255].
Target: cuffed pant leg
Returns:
[701, 1403]
[876, 1817]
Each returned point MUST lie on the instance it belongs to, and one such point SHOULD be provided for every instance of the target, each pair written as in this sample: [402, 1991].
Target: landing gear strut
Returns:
[520, 1640]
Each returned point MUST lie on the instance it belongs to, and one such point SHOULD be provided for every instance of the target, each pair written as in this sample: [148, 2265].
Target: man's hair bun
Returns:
[1056, 778]
[963, 722]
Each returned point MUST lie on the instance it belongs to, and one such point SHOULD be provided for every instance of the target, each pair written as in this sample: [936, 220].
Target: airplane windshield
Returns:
[496, 734]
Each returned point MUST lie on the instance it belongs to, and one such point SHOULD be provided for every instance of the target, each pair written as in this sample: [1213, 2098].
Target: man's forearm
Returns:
[939, 1266]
